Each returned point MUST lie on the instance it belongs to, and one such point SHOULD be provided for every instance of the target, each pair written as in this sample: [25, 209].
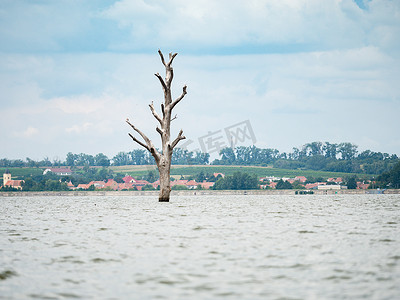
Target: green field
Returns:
[184, 170]
[20, 173]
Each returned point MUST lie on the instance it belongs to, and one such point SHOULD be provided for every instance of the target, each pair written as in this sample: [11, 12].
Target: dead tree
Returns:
[163, 159]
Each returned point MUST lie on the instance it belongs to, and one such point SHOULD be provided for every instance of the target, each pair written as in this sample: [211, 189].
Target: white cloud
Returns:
[209, 24]
[87, 126]
[81, 104]
[205, 26]
[343, 76]
[29, 132]
[288, 92]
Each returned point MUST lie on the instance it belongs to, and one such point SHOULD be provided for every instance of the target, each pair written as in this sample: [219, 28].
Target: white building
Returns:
[331, 187]
[58, 171]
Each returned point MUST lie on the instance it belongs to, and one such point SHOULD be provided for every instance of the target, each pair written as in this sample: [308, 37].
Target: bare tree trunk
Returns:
[165, 187]
[163, 159]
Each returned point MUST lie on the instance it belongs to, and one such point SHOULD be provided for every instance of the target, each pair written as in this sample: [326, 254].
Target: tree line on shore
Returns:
[236, 181]
[342, 157]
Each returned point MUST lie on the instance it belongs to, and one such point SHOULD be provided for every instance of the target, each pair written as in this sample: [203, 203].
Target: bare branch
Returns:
[146, 139]
[155, 114]
[176, 141]
[159, 130]
[161, 81]
[162, 109]
[176, 116]
[139, 142]
[170, 71]
[179, 98]
[169, 76]
[162, 57]
[171, 58]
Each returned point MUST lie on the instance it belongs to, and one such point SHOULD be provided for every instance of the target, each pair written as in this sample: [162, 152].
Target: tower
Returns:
[6, 177]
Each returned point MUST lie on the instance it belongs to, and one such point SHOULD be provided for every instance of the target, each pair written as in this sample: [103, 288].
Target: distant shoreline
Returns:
[196, 193]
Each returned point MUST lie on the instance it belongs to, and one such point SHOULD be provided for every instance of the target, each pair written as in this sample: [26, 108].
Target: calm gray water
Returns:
[200, 247]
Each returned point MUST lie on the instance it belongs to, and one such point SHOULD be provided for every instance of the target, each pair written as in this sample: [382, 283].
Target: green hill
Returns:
[185, 170]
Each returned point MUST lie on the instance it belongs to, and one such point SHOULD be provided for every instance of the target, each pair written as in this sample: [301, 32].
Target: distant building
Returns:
[270, 178]
[8, 182]
[219, 174]
[335, 180]
[98, 184]
[331, 187]
[6, 177]
[135, 184]
[71, 186]
[363, 185]
[179, 182]
[273, 184]
[207, 185]
[58, 171]
[314, 185]
[112, 184]
[83, 186]
[129, 179]
[302, 179]
[192, 184]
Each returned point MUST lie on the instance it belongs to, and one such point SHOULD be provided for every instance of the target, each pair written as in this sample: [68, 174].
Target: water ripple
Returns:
[200, 247]
[7, 274]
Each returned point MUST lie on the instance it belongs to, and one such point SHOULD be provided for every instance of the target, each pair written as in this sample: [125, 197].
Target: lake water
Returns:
[200, 247]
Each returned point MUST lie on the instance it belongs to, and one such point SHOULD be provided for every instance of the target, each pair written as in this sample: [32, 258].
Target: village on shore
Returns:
[130, 183]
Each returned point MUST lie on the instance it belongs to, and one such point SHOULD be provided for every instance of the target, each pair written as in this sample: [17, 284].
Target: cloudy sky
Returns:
[297, 71]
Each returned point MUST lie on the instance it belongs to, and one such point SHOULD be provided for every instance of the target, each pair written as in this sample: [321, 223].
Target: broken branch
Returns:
[139, 142]
[162, 57]
[162, 82]
[171, 58]
[148, 145]
[176, 141]
[155, 114]
[179, 98]
[162, 109]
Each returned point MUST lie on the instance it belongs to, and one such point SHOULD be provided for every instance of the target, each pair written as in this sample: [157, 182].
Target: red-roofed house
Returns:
[207, 185]
[314, 185]
[339, 180]
[192, 184]
[273, 184]
[127, 186]
[140, 183]
[362, 186]
[71, 186]
[112, 184]
[336, 180]
[83, 186]
[179, 182]
[216, 175]
[8, 182]
[98, 184]
[129, 179]
[301, 178]
[16, 184]
[311, 185]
